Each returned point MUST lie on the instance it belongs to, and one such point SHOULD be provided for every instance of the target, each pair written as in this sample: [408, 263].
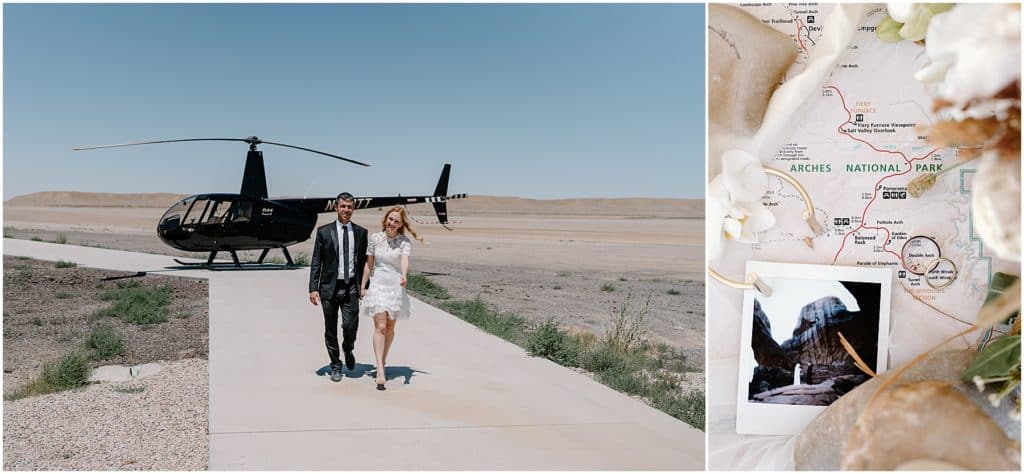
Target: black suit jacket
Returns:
[323, 268]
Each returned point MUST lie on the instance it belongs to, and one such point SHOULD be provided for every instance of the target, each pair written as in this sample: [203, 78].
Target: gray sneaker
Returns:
[335, 374]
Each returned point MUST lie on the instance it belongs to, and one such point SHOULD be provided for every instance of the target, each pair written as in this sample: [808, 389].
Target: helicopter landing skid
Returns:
[239, 265]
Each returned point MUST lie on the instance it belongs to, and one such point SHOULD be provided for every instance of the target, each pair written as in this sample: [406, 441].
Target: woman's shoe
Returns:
[380, 387]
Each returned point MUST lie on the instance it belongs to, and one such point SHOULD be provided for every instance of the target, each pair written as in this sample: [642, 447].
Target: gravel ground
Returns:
[108, 427]
[47, 311]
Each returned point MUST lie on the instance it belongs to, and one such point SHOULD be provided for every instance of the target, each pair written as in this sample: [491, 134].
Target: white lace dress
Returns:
[386, 292]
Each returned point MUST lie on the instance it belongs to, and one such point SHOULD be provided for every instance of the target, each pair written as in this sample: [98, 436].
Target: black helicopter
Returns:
[249, 220]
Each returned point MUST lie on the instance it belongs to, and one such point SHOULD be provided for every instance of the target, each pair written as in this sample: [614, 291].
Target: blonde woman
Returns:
[387, 267]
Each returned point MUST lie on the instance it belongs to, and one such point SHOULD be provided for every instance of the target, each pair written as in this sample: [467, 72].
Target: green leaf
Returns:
[997, 359]
[888, 30]
[916, 26]
[937, 8]
[1002, 302]
[1000, 282]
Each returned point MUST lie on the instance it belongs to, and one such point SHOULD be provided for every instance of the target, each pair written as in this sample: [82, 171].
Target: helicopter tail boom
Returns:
[438, 200]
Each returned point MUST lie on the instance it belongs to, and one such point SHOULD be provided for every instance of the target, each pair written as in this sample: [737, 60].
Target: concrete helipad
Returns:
[457, 398]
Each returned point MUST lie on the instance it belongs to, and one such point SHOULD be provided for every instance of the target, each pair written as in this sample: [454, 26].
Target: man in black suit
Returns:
[335, 272]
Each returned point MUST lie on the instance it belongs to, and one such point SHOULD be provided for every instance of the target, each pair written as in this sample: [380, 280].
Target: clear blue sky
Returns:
[539, 101]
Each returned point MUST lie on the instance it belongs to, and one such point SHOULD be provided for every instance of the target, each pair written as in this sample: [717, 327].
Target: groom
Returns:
[335, 273]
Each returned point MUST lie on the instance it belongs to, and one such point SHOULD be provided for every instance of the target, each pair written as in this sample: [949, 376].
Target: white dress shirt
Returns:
[351, 249]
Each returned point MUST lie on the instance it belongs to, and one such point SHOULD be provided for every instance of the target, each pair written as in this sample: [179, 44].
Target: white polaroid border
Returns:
[773, 419]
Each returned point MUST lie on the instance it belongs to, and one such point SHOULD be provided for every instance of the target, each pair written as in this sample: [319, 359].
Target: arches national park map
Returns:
[855, 147]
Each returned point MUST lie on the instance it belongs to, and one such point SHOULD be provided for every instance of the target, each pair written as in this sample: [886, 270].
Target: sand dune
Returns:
[78, 199]
[474, 205]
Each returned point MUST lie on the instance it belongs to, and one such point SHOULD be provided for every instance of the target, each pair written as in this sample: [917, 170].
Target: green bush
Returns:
[553, 343]
[137, 304]
[70, 371]
[507, 326]
[690, 407]
[105, 342]
[65, 264]
[421, 285]
[601, 359]
[673, 291]
[607, 288]
[624, 379]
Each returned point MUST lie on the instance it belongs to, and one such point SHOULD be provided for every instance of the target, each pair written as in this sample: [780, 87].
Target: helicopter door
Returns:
[239, 223]
[195, 213]
[218, 213]
[215, 219]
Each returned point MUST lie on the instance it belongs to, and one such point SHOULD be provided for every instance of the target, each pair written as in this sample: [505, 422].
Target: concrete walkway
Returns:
[457, 398]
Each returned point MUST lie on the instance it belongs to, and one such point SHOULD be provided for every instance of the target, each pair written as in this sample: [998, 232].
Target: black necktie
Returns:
[344, 249]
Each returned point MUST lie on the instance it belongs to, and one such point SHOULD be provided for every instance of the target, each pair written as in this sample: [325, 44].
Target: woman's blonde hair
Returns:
[405, 223]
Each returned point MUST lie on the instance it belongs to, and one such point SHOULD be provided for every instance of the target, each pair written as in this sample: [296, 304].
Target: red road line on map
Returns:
[863, 215]
[799, 26]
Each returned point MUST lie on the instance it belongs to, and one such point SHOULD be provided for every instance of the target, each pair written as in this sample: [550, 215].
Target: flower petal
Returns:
[901, 12]
[743, 176]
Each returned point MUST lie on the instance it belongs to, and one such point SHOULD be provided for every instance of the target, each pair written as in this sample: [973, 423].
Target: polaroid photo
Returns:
[792, 364]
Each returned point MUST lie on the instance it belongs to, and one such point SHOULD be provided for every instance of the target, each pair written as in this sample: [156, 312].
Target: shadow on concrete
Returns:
[367, 370]
[395, 372]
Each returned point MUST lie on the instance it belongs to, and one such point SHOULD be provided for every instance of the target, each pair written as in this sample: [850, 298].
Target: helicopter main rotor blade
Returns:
[162, 141]
[320, 152]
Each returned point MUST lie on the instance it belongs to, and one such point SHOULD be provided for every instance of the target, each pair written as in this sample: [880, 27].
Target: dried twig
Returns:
[856, 358]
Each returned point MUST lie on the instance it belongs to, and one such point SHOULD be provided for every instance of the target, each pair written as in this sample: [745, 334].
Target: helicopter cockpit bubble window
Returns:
[196, 212]
[218, 212]
[177, 211]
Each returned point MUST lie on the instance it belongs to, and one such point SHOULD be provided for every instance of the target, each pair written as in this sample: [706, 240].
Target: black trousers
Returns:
[346, 300]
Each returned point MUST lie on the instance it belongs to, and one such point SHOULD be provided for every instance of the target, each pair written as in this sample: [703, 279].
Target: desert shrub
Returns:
[628, 326]
[301, 260]
[607, 288]
[23, 274]
[549, 341]
[673, 291]
[624, 379]
[507, 326]
[131, 389]
[63, 295]
[70, 371]
[689, 408]
[105, 342]
[61, 238]
[600, 359]
[65, 264]
[421, 285]
[137, 304]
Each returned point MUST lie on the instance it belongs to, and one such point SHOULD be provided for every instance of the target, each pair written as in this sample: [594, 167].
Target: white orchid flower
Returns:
[974, 51]
[909, 21]
[995, 204]
[734, 202]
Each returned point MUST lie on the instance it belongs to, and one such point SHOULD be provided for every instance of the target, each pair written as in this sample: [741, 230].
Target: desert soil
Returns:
[47, 312]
